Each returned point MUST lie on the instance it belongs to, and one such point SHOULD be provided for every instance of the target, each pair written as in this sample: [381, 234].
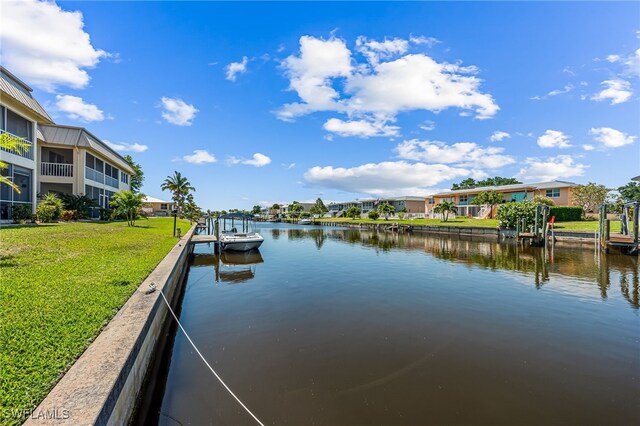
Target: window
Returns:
[19, 126]
[553, 193]
[124, 177]
[164, 206]
[463, 200]
[91, 161]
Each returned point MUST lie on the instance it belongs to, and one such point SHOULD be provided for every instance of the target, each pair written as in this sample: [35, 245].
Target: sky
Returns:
[258, 103]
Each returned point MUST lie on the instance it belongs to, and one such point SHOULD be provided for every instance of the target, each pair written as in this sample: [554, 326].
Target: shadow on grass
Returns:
[5, 261]
[27, 225]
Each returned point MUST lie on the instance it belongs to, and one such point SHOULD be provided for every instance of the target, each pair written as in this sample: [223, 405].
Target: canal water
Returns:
[328, 326]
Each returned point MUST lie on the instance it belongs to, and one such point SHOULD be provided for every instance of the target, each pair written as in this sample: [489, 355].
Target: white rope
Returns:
[205, 361]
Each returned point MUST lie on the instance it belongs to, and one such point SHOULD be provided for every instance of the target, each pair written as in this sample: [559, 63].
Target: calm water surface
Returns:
[344, 327]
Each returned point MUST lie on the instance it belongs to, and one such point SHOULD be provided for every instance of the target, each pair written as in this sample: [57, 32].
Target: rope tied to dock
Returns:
[206, 362]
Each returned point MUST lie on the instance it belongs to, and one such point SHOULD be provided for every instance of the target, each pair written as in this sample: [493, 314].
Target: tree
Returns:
[295, 209]
[256, 209]
[630, 191]
[318, 208]
[490, 198]
[494, 181]
[590, 196]
[49, 208]
[511, 214]
[386, 209]
[137, 178]
[79, 203]
[353, 212]
[127, 204]
[444, 208]
[191, 209]
[180, 187]
[373, 214]
[12, 144]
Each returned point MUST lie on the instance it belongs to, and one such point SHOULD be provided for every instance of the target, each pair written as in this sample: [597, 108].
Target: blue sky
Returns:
[259, 103]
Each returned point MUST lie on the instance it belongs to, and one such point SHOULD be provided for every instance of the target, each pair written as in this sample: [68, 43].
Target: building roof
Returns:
[15, 88]
[509, 188]
[148, 199]
[381, 199]
[81, 137]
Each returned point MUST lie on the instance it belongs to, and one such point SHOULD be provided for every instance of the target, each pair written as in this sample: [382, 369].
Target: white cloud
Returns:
[258, 160]
[429, 41]
[361, 128]
[326, 78]
[630, 63]
[498, 136]
[288, 166]
[199, 156]
[46, 45]
[561, 166]
[465, 154]
[566, 89]
[133, 147]
[428, 125]
[77, 109]
[178, 112]
[235, 68]
[588, 147]
[616, 90]
[386, 178]
[554, 139]
[611, 138]
[613, 58]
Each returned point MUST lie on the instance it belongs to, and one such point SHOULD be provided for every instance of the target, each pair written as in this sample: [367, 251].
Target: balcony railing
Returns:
[93, 175]
[56, 169]
[26, 151]
[109, 181]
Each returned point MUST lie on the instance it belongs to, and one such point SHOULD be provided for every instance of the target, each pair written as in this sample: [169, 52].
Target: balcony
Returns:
[56, 169]
[99, 177]
[26, 151]
[110, 181]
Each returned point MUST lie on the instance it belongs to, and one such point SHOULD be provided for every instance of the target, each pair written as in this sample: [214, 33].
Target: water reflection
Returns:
[534, 262]
[230, 267]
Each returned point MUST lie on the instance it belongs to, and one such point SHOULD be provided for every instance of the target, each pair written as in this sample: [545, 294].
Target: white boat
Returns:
[231, 239]
[305, 222]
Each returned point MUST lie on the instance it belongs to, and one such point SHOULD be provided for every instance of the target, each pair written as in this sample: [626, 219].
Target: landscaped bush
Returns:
[68, 215]
[541, 199]
[49, 209]
[567, 213]
[21, 212]
[80, 203]
[373, 214]
[510, 214]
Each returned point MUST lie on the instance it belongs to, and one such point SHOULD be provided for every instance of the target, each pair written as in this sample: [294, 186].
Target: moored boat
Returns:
[232, 239]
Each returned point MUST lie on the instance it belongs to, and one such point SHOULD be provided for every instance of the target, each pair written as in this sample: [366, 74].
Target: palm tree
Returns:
[445, 207]
[127, 204]
[295, 209]
[179, 187]
[12, 144]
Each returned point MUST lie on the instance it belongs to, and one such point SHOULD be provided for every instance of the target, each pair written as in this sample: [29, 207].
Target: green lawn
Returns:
[60, 284]
[585, 226]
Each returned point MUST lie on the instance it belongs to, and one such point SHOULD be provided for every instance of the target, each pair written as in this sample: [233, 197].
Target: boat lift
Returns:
[628, 239]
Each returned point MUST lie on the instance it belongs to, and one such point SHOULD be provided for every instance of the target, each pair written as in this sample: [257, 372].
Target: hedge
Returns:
[566, 213]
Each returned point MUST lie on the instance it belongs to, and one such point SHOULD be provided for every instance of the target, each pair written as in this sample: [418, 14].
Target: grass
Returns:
[581, 226]
[60, 284]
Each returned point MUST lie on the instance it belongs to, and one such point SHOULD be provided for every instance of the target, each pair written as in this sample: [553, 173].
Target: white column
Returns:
[35, 176]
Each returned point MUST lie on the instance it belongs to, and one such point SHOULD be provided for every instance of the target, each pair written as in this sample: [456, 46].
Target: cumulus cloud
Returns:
[617, 91]
[611, 138]
[630, 63]
[235, 68]
[588, 147]
[46, 45]
[326, 77]
[77, 109]
[178, 112]
[258, 160]
[561, 166]
[428, 125]
[465, 154]
[386, 178]
[554, 139]
[200, 156]
[361, 128]
[429, 41]
[498, 136]
[124, 147]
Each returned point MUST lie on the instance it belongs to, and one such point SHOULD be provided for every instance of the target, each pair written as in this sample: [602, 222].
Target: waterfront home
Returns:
[559, 191]
[20, 115]
[414, 206]
[60, 159]
[156, 207]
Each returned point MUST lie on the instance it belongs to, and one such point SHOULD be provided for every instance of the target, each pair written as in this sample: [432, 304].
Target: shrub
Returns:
[49, 209]
[567, 213]
[546, 201]
[510, 214]
[373, 214]
[80, 203]
[68, 215]
[21, 212]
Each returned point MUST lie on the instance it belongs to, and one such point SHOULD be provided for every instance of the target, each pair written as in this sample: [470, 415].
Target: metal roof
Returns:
[78, 136]
[149, 199]
[381, 199]
[15, 88]
[516, 187]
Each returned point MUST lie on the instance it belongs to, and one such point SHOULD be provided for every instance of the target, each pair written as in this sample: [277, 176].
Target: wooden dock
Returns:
[202, 239]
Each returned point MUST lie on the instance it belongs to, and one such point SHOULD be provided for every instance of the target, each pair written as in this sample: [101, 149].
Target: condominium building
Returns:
[414, 206]
[58, 159]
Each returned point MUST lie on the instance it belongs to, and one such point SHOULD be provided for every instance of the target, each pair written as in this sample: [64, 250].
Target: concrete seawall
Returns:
[102, 386]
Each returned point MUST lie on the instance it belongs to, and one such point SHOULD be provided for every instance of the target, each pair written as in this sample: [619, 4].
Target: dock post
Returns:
[607, 230]
[636, 222]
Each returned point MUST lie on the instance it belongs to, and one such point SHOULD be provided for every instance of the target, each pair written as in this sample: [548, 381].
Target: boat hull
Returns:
[240, 243]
